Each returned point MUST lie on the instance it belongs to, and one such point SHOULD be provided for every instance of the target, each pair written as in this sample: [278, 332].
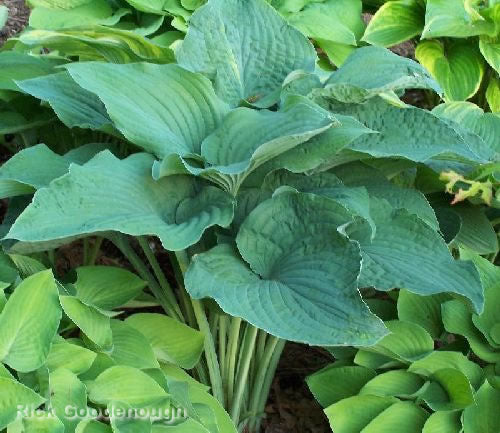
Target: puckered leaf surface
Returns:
[245, 47]
[176, 209]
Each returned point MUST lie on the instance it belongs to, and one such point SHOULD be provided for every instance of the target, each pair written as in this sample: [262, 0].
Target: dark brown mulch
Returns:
[18, 17]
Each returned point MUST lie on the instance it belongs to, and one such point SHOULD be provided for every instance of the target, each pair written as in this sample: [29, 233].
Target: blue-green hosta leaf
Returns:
[457, 66]
[14, 394]
[217, 45]
[249, 138]
[449, 18]
[476, 231]
[332, 20]
[443, 422]
[90, 13]
[75, 106]
[133, 203]
[67, 390]
[107, 287]
[370, 71]
[172, 341]
[482, 417]
[407, 253]
[299, 267]
[334, 383]
[128, 385]
[131, 347]
[93, 323]
[29, 322]
[425, 136]
[486, 125]
[72, 357]
[100, 43]
[177, 109]
[20, 66]
[396, 22]
[35, 167]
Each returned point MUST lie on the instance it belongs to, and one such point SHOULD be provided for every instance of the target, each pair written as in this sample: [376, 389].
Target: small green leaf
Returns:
[493, 94]
[443, 422]
[216, 45]
[127, 385]
[94, 324]
[482, 417]
[67, 391]
[449, 18]
[13, 395]
[171, 340]
[458, 67]
[395, 22]
[334, 383]
[29, 322]
[131, 347]
[69, 356]
[397, 383]
[107, 287]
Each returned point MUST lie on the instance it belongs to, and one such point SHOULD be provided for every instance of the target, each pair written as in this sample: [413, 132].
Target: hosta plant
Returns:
[424, 377]
[286, 200]
[458, 42]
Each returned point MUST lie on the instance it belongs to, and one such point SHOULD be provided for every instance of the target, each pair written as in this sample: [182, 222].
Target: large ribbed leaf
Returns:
[35, 167]
[373, 70]
[100, 43]
[299, 275]
[395, 22]
[490, 49]
[449, 18]
[407, 253]
[218, 45]
[482, 417]
[424, 136]
[249, 138]
[175, 111]
[120, 195]
[486, 125]
[74, 105]
[29, 322]
[457, 66]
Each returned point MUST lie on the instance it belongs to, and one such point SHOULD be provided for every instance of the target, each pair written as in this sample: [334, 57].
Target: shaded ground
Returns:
[18, 17]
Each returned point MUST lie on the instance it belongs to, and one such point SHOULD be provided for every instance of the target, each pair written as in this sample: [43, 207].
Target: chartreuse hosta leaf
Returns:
[67, 390]
[406, 252]
[424, 137]
[486, 125]
[68, 356]
[172, 341]
[395, 22]
[370, 71]
[99, 43]
[176, 111]
[177, 209]
[42, 422]
[14, 394]
[493, 94]
[107, 287]
[304, 291]
[248, 138]
[450, 18]
[75, 106]
[217, 45]
[457, 66]
[35, 167]
[29, 322]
